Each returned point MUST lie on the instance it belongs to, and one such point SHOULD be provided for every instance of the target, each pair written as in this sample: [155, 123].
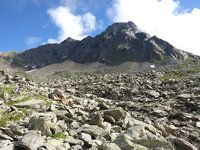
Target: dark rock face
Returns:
[120, 42]
[46, 54]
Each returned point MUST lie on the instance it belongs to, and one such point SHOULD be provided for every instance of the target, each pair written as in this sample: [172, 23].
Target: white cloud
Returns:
[89, 21]
[163, 18]
[33, 41]
[71, 24]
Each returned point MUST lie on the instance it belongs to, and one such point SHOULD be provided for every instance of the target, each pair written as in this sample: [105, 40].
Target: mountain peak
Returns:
[123, 26]
[68, 40]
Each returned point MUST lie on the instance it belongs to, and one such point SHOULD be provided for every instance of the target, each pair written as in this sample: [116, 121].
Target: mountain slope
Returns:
[119, 43]
[46, 54]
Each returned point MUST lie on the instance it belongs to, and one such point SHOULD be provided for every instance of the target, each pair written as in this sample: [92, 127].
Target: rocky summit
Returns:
[119, 43]
[155, 110]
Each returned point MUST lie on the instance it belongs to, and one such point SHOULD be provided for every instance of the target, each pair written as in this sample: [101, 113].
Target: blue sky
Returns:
[25, 24]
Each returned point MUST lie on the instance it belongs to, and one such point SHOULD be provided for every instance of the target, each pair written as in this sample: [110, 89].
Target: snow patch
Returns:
[31, 71]
[152, 66]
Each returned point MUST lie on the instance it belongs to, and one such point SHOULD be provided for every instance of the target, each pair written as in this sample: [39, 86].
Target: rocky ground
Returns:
[157, 110]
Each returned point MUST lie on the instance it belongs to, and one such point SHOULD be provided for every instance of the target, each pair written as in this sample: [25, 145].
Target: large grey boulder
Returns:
[125, 142]
[31, 141]
[6, 145]
[146, 135]
[182, 144]
[143, 136]
[72, 140]
[39, 124]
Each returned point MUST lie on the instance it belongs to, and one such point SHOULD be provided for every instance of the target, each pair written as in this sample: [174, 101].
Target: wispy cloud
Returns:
[164, 18]
[33, 41]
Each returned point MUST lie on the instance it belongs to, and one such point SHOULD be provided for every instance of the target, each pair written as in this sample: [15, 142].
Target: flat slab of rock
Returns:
[73, 141]
[5, 136]
[94, 131]
[53, 144]
[30, 103]
[159, 112]
[185, 96]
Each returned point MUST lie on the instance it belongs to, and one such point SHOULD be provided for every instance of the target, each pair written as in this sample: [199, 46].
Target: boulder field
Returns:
[139, 111]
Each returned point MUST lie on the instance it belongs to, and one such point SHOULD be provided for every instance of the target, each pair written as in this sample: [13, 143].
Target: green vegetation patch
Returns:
[183, 71]
[59, 135]
[18, 101]
[172, 75]
[14, 116]
[7, 88]
[4, 120]
[44, 98]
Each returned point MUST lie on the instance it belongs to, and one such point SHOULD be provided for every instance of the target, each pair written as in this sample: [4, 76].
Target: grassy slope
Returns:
[74, 68]
[67, 66]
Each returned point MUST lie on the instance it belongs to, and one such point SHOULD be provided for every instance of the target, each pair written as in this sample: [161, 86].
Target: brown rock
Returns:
[117, 114]
[97, 119]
